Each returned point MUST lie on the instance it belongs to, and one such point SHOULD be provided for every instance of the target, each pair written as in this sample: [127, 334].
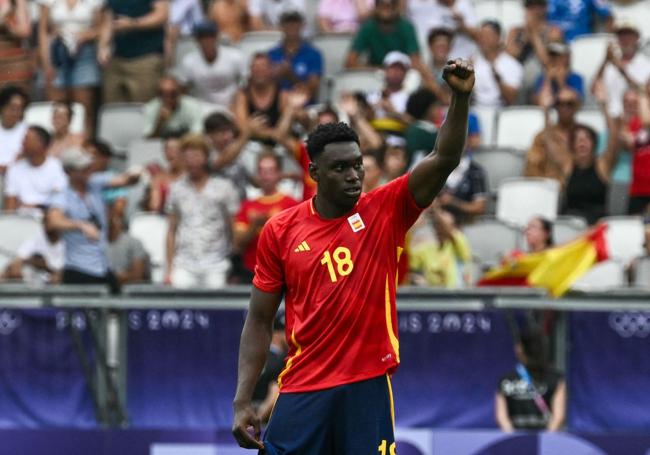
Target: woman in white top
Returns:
[68, 31]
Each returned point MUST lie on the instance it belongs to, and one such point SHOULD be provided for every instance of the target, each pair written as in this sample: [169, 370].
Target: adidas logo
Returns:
[302, 247]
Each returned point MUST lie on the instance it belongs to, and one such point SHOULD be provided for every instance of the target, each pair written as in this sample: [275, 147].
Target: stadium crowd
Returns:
[226, 124]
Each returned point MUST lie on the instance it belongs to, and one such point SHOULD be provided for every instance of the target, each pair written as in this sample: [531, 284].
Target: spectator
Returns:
[62, 138]
[79, 214]
[127, 259]
[630, 124]
[395, 157]
[260, 98]
[457, 16]
[439, 263]
[557, 74]
[357, 108]
[231, 17]
[579, 17]
[533, 397]
[253, 214]
[267, 390]
[265, 14]
[184, 15]
[465, 192]
[171, 113]
[162, 179]
[296, 63]
[134, 63]
[439, 41]
[373, 168]
[101, 153]
[389, 104]
[343, 16]
[39, 260]
[35, 179]
[538, 234]
[624, 66]
[421, 134]
[498, 74]
[213, 72]
[199, 237]
[553, 138]
[639, 202]
[13, 101]
[15, 58]
[67, 35]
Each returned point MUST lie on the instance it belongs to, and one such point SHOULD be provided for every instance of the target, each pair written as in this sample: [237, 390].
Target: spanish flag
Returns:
[555, 269]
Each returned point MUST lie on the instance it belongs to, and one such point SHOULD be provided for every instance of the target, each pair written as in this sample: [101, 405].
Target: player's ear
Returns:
[313, 171]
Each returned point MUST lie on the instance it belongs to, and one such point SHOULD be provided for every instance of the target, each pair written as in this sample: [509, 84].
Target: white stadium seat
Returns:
[184, 46]
[253, 42]
[509, 13]
[567, 228]
[40, 114]
[334, 48]
[15, 229]
[602, 276]
[637, 13]
[487, 119]
[588, 53]
[499, 164]
[151, 230]
[145, 151]
[593, 118]
[625, 237]
[520, 199]
[642, 272]
[517, 126]
[365, 81]
[490, 240]
[120, 123]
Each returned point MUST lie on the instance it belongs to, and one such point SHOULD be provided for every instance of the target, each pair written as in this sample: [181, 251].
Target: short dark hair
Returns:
[272, 155]
[419, 103]
[42, 134]
[9, 92]
[535, 348]
[217, 121]
[439, 31]
[547, 226]
[493, 24]
[589, 130]
[377, 154]
[329, 133]
[102, 147]
[66, 106]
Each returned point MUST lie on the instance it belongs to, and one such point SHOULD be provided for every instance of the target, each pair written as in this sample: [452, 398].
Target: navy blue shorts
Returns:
[352, 419]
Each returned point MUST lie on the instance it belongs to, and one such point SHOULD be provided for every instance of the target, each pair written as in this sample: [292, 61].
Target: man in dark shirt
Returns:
[136, 28]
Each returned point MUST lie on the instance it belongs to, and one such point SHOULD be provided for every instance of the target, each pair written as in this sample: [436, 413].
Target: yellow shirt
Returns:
[439, 263]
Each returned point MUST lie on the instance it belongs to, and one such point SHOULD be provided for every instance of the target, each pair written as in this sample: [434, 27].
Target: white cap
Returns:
[75, 158]
[394, 57]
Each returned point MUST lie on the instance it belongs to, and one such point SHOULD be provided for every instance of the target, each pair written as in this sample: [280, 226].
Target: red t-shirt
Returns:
[640, 185]
[265, 205]
[339, 281]
[308, 184]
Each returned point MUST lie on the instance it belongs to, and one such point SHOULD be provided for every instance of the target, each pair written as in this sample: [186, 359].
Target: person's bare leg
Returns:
[86, 97]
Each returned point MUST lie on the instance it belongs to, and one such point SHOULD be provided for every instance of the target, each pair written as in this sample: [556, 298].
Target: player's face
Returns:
[339, 173]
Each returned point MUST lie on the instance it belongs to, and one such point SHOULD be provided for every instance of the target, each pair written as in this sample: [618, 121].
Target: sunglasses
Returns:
[561, 103]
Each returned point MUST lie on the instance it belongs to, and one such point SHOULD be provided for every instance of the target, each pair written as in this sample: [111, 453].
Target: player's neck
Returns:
[328, 210]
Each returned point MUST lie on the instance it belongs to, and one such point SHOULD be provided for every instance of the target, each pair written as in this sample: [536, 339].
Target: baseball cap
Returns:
[75, 158]
[205, 28]
[397, 57]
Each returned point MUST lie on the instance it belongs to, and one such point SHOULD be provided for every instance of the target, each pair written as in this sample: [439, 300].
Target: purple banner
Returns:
[609, 371]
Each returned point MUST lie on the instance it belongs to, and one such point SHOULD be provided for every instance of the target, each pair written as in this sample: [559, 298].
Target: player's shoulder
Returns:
[394, 187]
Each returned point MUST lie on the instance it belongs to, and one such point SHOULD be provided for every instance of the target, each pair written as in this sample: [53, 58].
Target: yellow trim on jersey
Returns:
[291, 359]
[392, 402]
[400, 250]
[389, 323]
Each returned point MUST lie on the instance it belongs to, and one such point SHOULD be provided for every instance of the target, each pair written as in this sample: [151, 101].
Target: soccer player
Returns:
[334, 259]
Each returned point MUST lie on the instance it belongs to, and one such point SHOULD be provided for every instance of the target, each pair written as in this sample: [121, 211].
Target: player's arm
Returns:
[430, 174]
[253, 349]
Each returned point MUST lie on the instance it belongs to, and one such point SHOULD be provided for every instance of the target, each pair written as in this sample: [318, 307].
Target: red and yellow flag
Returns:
[554, 269]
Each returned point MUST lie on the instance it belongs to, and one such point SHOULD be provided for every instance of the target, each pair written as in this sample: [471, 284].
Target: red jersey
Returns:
[265, 205]
[640, 185]
[308, 184]
[339, 280]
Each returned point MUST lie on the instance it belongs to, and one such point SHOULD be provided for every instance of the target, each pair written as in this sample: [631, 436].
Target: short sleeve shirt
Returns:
[576, 17]
[306, 62]
[376, 43]
[339, 281]
[204, 234]
[186, 118]
[486, 88]
[35, 185]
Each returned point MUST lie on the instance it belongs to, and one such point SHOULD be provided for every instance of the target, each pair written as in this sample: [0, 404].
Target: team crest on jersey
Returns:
[356, 223]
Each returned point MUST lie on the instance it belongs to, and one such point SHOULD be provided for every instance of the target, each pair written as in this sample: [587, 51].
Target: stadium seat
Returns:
[593, 118]
[145, 151]
[637, 12]
[509, 13]
[499, 164]
[625, 237]
[642, 272]
[588, 53]
[487, 116]
[517, 126]
[15, 230]
[184, 46]
[210, 108]
[567, 228]
[490, 240]
[120, 124]
[151, 230]
[602, 276]
[618, 198]
[40, 114]
[520, 199]
[334, 47]
[253, 42]
[365, 81]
